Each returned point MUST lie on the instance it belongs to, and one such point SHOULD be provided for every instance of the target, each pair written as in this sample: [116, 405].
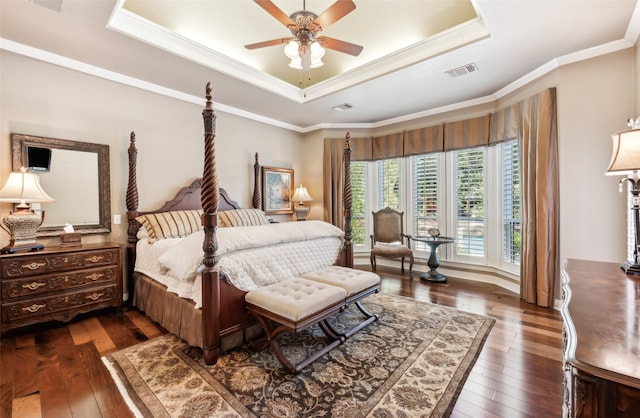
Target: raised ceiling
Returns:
[409, 48]
[428, 28]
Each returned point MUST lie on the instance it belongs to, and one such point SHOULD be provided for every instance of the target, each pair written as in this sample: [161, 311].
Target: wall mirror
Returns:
[74, 173]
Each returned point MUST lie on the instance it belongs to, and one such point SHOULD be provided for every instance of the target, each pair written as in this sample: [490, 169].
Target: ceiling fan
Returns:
[305, 26]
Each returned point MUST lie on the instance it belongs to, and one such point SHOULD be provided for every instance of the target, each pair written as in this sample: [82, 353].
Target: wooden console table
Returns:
[601, 340]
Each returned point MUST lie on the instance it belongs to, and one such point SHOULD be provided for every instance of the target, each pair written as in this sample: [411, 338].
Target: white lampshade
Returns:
[301, 195]
[625, 157]
[22, 187]
[304, 56]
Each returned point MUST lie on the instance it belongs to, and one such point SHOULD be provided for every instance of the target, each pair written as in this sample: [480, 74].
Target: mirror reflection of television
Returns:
[39, 159]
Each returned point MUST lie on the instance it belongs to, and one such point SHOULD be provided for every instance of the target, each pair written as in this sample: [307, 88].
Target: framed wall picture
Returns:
[277, 189]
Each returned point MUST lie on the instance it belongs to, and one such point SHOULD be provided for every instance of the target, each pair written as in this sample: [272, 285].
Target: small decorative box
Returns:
[70, 239]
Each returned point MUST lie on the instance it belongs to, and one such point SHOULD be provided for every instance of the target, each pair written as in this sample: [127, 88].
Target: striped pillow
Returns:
[242, 217]
[174, 224]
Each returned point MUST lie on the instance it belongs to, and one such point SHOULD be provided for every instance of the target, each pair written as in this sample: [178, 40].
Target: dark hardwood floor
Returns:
[56, 370]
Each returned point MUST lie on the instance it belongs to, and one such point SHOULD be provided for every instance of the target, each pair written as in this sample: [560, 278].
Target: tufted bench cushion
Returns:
[297, 298]
[293, 305]
[351, 280]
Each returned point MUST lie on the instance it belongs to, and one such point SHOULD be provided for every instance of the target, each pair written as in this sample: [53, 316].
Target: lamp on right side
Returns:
[625, 160]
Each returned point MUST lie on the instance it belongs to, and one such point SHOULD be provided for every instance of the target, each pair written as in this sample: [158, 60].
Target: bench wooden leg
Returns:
[271, 340]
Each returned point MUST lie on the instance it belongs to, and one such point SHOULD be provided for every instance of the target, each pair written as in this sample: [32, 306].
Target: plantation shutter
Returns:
[511, 234]
[470, 234]
[425, 207]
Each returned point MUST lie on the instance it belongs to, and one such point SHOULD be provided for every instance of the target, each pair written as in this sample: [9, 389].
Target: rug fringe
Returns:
[116, 378]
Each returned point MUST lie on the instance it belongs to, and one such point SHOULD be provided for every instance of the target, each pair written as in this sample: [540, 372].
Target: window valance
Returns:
[468, 133]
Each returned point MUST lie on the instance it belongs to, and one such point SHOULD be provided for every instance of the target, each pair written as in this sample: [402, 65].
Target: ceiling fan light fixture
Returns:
[304, 57]
[291, 50]
[296, 63]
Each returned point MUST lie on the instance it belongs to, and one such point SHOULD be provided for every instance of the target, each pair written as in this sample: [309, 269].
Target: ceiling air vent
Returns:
[465, 69]
[342, 107]
[55, 5]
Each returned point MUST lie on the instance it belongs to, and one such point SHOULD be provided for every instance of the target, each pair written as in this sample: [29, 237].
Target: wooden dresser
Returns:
[601, 340]
[59, 283]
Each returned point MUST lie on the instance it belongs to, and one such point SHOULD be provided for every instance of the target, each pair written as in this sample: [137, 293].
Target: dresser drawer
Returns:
[49, 263]
[55, 304]
[28, 286]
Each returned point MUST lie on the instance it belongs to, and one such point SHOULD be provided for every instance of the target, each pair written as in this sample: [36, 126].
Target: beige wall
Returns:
[595, 97]
[46, 100]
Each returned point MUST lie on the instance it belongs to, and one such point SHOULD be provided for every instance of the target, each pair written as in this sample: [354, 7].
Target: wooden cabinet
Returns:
[59, 283]
[601, 340]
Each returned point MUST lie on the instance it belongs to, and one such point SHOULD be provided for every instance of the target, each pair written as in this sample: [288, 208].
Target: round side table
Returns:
[433, 276]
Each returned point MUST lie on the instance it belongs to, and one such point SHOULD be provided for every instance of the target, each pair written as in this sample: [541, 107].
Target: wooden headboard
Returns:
[187, 198]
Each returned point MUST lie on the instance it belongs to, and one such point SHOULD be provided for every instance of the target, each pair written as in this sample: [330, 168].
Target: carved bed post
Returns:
[348, 199]
[210, 275]
[257, 196]
[132, 213]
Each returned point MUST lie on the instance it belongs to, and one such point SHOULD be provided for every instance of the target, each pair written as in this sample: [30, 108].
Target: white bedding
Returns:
[251, 256]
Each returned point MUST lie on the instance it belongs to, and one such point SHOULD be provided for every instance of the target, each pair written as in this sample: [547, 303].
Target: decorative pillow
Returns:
[174, 224]
[242, 217]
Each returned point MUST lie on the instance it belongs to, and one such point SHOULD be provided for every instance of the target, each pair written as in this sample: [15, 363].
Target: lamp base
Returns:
[630, 268]
[301, 212]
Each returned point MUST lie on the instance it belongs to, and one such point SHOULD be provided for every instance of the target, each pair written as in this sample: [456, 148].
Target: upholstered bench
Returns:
[296, 304]
[357, 283]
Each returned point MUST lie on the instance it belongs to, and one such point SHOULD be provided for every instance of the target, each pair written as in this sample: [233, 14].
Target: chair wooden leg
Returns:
[411, 267]
[402, 265]
[372, 259]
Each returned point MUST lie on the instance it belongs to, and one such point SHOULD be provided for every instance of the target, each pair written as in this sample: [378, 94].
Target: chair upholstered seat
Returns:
[388, 238]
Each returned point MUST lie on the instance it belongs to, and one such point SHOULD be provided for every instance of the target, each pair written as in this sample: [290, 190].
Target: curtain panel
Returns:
[333, 174]
[540, 252]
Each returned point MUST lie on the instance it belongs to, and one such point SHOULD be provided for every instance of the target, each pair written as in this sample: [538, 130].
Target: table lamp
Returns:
[301, 195]
[625, 159]
[23, 188]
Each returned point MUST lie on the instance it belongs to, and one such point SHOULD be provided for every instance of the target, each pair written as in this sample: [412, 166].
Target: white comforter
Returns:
[251, 256]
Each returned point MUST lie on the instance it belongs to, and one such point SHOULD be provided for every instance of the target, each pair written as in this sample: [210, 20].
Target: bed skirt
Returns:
[178, 315]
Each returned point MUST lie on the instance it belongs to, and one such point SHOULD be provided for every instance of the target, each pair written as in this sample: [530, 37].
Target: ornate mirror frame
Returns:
[19, 144]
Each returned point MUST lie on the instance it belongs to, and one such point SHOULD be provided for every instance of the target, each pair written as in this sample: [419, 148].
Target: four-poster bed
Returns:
[221, 322]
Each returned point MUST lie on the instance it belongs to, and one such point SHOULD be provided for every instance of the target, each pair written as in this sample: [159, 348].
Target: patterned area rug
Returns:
[412, 362]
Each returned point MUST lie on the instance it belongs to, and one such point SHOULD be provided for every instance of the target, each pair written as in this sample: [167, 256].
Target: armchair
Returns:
[388, 238]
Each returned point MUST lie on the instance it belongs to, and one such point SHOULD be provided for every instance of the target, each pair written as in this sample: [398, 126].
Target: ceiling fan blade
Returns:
[272, 42]
[340, 46]
[274, 11]
[335, 12]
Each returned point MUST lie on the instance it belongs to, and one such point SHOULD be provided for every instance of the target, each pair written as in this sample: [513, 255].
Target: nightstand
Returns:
[59, 283]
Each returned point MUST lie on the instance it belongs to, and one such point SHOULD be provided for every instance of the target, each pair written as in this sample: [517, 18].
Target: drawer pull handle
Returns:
[33, 286]
[95, 276]
[95, 258]
[95, 296]
[33, 266]
[34, 308]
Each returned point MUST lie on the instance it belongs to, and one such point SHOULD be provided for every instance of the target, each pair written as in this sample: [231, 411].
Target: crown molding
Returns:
[69, 63]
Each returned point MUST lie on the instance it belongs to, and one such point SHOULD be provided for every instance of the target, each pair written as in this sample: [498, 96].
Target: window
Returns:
[470, 194]
[469, 166]
[358, 207]
[389, 183]
[511, 231]
[425, 203]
